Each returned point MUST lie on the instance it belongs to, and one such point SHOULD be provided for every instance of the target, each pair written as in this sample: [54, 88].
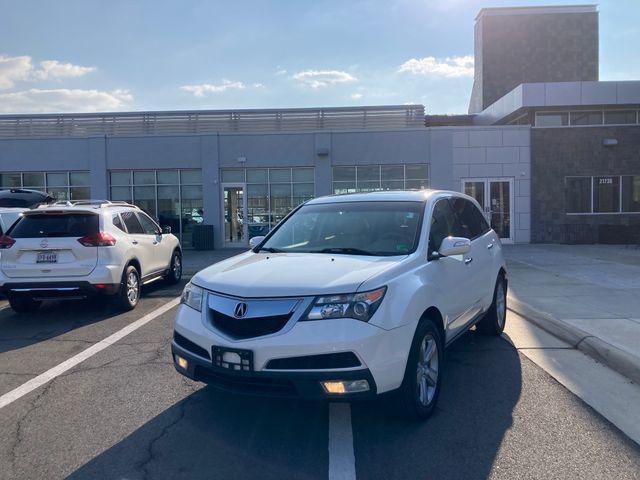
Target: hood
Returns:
[291, 274]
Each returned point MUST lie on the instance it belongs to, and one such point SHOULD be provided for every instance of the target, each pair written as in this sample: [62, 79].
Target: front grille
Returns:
[245, 384]
[240, 328]
[190, 346]
[315, 362]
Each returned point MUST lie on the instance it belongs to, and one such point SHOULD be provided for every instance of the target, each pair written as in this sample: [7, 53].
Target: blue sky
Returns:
[91, 55]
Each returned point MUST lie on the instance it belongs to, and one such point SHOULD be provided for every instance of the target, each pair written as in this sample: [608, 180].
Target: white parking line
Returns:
[58, 370]
[342, 461]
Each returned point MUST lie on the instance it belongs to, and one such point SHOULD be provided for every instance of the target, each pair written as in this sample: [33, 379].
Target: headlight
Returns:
[192, 296]
[360, 306]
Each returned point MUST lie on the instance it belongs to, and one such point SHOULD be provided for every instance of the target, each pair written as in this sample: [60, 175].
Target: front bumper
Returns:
[382, 355]
[271, 384]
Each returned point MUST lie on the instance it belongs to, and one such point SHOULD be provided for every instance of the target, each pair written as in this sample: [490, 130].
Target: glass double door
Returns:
[495, 196]
[234, 207]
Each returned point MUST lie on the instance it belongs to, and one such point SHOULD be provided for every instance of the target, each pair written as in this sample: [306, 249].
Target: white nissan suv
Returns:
[78, 249]
[348, 297]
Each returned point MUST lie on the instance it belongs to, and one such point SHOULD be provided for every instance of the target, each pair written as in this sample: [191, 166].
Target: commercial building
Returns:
[551, 153]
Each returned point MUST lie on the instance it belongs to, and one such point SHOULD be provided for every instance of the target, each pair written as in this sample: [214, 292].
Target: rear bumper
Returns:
[55, 290]
[270, 384]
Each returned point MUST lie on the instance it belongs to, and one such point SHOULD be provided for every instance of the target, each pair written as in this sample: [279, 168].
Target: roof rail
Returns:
[93, 203]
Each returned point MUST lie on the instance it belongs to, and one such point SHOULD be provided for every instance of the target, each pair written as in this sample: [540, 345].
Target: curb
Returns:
[619, 360]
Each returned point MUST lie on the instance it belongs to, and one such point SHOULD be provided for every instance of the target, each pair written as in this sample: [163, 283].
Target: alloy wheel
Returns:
[177, 266]
[427, 370]
[501, 304]
[133, 287]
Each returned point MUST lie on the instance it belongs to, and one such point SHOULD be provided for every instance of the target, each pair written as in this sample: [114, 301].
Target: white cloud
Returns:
[449, 67]
[355, 96]
[203, 88]
[281, 71]
[63, 100]
[53, 69]
[14, 69]
[259, 85]
[323, 78]
[21, 68]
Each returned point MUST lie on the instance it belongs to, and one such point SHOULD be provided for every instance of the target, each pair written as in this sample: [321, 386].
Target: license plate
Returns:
[47, 257]
[232, 359]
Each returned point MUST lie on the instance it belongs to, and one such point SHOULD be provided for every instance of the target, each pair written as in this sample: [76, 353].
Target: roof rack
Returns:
[92, 203]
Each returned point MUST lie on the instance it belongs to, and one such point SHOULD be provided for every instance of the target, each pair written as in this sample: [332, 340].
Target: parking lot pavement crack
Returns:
[18, 431]
[150, 456]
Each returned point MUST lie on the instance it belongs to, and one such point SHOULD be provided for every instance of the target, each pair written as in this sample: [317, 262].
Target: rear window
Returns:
[55, 225]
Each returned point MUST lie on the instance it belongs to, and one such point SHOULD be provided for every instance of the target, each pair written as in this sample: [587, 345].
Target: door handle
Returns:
[135, 242]
[467, 261]
[490, 246]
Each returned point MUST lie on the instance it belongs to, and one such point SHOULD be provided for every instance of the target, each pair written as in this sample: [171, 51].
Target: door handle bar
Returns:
[468, 260]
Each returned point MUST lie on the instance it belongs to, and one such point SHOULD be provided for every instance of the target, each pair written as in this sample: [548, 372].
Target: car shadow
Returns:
[481, 386]
[55, 318]
[215, 435]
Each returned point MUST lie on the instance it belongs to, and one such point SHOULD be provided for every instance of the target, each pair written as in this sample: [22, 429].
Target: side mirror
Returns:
[454, 246]
[166, 229]
[255, 241]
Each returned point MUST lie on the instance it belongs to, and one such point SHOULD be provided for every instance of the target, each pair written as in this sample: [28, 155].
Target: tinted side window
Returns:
[472, 222]
[443, 224]
[149, 226]
[117, 222]
[132, 223]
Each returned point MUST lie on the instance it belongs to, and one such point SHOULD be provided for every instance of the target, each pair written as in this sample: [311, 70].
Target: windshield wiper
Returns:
[270, 250]
[345, 250]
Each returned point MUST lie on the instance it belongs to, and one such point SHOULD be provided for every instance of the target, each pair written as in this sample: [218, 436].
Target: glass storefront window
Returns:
[173, 197]
[577, 194]
[554, 119]
[60, 185]
[619, 117]
[586, 118]
[631, 193]
[271, 193]
[606, 194]
[367, 178]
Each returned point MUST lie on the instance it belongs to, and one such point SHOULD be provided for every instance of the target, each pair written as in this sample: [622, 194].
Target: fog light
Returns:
[341, 387]
[182, 362]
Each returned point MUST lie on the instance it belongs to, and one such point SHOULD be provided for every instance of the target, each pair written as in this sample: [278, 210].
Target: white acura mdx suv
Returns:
[78, 249]
[348, 297]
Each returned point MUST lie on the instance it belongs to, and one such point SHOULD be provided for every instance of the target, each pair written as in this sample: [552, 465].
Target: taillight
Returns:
[100, 239]
[6, 241]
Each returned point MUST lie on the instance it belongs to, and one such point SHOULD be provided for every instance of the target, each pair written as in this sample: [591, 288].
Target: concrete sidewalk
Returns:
[588, 295]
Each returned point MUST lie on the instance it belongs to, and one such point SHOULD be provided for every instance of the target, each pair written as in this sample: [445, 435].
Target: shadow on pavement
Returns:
[214, 435]
[481, 387]
[55, 318]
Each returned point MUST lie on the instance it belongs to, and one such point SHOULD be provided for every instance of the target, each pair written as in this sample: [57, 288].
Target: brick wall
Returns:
[560, 152]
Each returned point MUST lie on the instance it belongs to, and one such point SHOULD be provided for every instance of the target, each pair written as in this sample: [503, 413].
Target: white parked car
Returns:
[348, 297]
[77, 249]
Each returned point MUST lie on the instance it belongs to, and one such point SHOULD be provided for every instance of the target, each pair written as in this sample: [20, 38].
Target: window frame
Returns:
[592, 197]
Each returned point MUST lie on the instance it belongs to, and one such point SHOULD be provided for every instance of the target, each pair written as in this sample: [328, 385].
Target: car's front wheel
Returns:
[129, 293]
[24, 304]
[495, 319]
[418, 394]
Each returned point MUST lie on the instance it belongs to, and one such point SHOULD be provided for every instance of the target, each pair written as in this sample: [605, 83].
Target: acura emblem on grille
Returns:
[241, 310]
[44, 243]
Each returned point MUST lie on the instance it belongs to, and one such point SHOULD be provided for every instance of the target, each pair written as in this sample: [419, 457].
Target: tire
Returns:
[175, 269]
[24, 304]
[129, 292]
[420, 389]
[494, 320]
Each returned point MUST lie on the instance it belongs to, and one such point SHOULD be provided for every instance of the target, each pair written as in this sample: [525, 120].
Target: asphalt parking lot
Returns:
[125, 413]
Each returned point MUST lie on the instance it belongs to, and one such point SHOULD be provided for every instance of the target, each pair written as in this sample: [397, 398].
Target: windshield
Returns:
[356, 228]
